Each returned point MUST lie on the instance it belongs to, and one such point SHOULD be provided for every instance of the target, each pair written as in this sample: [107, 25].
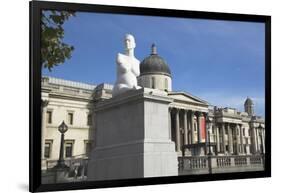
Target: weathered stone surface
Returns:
[132, 137]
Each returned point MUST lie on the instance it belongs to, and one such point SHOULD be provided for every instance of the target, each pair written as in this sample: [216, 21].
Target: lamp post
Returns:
[62, 129]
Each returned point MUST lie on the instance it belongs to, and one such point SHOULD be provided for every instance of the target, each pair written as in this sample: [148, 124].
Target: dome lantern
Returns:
[153, 49]
[249, 106]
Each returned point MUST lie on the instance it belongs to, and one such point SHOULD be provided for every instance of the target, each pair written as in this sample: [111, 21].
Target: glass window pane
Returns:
[68, 149]
[49, 117]
[70, 118]
[47, 150]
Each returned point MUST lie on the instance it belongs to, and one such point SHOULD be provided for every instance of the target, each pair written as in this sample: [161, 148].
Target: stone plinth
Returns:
[132, 137]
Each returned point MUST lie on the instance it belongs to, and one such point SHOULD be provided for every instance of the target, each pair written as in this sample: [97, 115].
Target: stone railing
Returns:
[220, 164]
[199, 162]
[256, 160]
[240, 160]
[223, 161]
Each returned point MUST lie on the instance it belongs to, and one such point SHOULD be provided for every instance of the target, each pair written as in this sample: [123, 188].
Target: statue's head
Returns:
[129, 42]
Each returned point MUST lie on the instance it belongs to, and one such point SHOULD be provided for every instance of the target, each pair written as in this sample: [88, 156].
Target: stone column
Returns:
[170, 123]
[237, 139]
[185, 127]
[241, 139]
[253, 140]
[218, 138]
[258, 139]
[177, 131]
[207, 127]
[207, 132]
[199, 127]
[263, 140]
[43, 126]
[223, 137]
[192, 126]
[230, 141]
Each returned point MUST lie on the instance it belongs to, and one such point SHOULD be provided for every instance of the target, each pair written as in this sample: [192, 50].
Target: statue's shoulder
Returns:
[120, 55]
[136, 61]
[120, 58]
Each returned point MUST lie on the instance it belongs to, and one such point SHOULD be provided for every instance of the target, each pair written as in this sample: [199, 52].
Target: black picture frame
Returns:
[35, 184]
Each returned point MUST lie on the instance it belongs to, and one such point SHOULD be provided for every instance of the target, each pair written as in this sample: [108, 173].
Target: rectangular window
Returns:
[89, 119]
[153, 82]
[243, 131]
[88, 146]
[70, 118]
[47, 149]
[68, 149]
[49, 117]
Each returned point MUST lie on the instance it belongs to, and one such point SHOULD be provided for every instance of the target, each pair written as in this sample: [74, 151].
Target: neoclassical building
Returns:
[196, 127]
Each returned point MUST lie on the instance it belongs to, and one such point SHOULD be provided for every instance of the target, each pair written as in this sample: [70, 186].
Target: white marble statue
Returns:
[127, 68]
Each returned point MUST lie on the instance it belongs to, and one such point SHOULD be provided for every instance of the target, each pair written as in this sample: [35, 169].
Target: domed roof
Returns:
[154, 64]
[249, 101]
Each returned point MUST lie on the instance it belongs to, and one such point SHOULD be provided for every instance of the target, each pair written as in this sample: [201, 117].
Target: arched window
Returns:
[153, 82]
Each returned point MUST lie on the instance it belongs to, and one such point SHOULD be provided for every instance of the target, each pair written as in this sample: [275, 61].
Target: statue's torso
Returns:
[127, 69]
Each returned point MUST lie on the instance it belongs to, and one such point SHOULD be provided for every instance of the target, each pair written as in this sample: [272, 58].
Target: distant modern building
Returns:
[196, 127]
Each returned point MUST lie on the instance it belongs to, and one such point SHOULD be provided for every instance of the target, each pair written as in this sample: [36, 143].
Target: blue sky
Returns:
[219, 61]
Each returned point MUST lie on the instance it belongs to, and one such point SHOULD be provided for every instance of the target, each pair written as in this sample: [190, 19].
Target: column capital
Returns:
[238, 125]
[205, 114]
[198, 113]
[177, 110]
[170, 109]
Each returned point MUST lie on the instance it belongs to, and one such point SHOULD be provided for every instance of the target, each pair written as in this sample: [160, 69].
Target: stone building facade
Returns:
[196, 127]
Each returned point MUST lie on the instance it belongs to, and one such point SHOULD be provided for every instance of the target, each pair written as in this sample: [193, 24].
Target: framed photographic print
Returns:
[126, 96]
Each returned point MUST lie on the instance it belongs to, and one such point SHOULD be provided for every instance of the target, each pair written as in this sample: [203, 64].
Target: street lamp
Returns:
[62, 129]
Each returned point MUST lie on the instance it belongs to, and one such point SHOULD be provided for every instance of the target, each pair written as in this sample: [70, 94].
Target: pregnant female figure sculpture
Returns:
[127, 68]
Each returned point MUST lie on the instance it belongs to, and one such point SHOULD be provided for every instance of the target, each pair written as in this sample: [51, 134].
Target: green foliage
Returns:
[53, 50]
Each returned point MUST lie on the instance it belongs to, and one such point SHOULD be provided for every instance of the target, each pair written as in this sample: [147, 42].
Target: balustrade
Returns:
[219, 164]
